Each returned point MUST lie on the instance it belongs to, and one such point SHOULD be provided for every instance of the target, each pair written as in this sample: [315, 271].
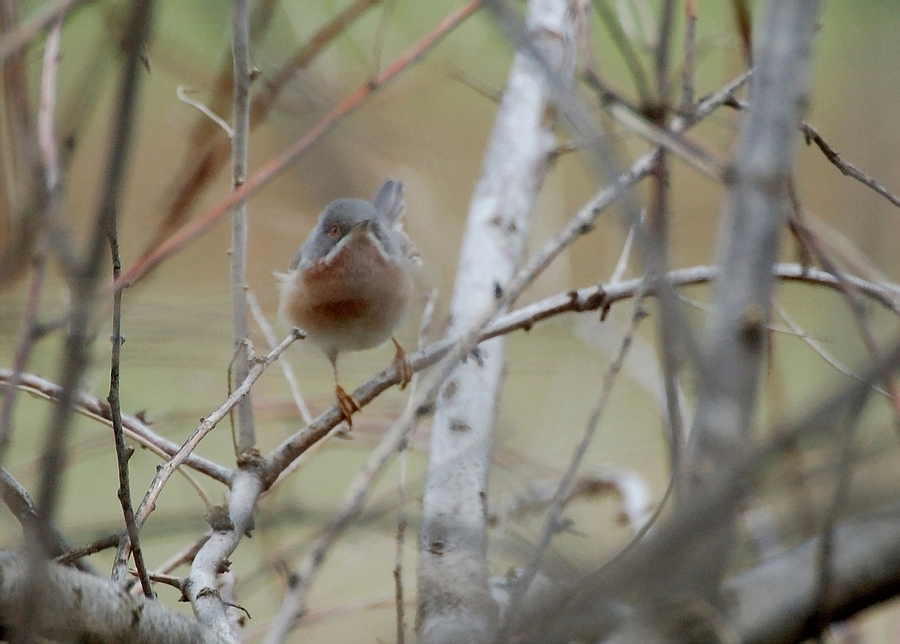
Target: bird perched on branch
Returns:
[350, 284]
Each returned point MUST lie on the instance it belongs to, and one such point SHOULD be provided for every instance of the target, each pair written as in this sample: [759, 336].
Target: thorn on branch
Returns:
[604, 312]
[240, 608]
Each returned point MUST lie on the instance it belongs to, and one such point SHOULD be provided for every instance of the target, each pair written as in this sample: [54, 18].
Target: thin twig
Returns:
[662, 54]
[657, 224]
[76, 348]
[279, 163]
[402, 520]
[19, 502]
[690, 49]
[240, 46]
[29, 29]
[622, 263]
[381, 35]
[201, 168]
[816, 346]
[123, 452]
[183, 556]
[587, 299]
[812, 136]
[396, 438]
[401, 541]
[626, 51]
[696, 156]
[28, 332]
[165, 472]
[286, 368]
[851, 294]
[97, 409]
[743, 21]
[552, 521]
[97, 545]
[168, 580]
[844, 450]
[207, 151]
[182, 94]
[293, 602]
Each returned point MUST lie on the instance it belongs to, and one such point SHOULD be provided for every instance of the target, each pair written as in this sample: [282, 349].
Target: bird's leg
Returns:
[345, 401]
[401, 361]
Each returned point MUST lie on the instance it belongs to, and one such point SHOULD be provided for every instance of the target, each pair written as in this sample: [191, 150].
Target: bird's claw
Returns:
[403, 365]
[347, 404]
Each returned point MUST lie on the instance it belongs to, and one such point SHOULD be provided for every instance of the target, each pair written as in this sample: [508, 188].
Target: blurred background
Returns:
[429, 128]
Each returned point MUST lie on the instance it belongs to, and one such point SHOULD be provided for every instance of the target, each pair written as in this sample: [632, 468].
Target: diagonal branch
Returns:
[278, 164]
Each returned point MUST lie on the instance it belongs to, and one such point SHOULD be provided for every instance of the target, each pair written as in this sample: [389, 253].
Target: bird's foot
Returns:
[347, 404]
[404, 367]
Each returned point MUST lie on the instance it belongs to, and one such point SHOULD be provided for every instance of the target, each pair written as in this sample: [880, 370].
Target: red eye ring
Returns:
[334, 230]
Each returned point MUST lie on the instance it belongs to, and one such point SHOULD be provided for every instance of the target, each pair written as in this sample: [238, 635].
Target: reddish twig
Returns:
[208, 154]
[47, 143]
[278, 164]
[29, 29]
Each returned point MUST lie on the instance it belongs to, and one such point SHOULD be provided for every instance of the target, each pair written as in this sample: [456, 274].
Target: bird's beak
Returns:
[359, 230]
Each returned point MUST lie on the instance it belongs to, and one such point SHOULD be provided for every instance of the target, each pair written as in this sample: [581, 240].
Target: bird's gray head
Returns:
[338, 220]
[354, 216]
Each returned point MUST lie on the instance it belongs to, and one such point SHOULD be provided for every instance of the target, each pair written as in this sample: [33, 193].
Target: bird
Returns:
[350, 285]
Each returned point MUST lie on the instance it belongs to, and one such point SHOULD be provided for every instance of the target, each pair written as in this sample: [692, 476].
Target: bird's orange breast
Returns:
[353, 300]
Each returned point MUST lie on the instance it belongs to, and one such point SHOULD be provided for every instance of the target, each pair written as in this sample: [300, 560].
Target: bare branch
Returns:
[587, 299]
[93, 607]
[454, 597]
[690, 44]
[286, 369]
[28, 30]
[165, 472]
[581, 223]
[17, 499]
[553, 519]
[777, 600]
[812, 136]
[202, 585]
[754, 217]
[28, 331]
[199, 169]
[134, 428]
[240, 46]
[76, 350]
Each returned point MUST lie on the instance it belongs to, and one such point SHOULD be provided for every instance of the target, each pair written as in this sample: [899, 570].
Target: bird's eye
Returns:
[334, 231]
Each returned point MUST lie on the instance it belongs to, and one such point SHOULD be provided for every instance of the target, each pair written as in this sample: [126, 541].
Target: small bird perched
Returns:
[350, 284]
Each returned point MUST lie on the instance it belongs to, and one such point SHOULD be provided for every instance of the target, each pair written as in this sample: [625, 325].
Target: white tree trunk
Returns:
[454, 602]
